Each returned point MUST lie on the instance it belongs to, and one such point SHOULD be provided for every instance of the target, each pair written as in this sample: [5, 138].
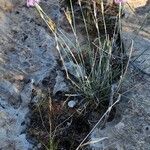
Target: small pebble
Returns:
[71, 103]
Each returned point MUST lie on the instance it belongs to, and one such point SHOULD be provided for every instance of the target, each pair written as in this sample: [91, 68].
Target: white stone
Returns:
[72, 103]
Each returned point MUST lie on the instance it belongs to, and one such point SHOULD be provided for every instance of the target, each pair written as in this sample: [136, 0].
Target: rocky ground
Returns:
[130, 130]
[28, 58]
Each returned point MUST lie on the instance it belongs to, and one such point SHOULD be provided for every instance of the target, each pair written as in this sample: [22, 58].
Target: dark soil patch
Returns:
[68, 126]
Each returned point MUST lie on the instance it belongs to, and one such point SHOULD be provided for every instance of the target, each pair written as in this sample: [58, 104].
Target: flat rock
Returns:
[137, 3]
[27, 52]
[136, 28]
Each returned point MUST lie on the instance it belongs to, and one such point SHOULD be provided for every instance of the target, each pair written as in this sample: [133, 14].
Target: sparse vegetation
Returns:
[67, 80]
[98, 63]
[94, 60]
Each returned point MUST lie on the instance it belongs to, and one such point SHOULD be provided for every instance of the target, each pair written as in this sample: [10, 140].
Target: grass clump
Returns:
[93, 67]
[94, 61]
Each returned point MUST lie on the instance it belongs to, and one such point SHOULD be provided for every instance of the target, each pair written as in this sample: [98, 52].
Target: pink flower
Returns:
[120, 1]
[32, 2]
